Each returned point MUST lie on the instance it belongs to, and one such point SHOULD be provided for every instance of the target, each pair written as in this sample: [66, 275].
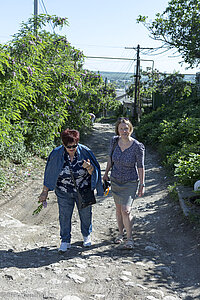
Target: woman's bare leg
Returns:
[119, 218]
[127, 220]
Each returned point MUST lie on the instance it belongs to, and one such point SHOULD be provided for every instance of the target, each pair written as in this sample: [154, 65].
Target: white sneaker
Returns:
[87, 241]
[64, 246]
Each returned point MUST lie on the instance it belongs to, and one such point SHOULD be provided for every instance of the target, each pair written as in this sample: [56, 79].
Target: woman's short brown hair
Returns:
[126, 121]
[70, 136]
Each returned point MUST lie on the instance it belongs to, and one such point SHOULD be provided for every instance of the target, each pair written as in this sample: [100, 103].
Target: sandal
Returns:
[119, 239]
[128, 244]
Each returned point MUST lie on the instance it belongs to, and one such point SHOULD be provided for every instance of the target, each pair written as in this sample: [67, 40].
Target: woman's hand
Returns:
[87, 165]
[106, 177]
[108, 167]
[43, 196]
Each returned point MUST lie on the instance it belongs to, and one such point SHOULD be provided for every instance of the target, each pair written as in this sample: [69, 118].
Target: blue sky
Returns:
[99, 28]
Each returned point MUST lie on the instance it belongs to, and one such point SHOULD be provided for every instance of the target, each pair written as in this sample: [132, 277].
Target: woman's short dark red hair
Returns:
[70, 136]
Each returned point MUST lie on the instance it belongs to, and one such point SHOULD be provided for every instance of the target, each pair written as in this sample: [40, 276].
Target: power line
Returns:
[44, 6]
[120, 58]
[42, 2]
[126, 69]
[114, 58]
[106, 57]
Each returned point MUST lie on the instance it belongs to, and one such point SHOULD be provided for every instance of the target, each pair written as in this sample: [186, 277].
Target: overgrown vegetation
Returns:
[44, 89]
[174, 130]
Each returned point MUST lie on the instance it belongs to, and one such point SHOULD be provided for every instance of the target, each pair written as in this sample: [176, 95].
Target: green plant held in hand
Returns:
[39, 208]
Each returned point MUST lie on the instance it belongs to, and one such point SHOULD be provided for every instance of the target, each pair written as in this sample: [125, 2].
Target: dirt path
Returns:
[164, 263]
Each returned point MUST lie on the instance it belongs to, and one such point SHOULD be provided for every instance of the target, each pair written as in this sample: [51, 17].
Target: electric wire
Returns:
[121, 74]
[45, 11]
[127, 68]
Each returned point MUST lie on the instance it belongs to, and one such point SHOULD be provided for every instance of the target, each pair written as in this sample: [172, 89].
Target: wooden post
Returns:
[137, 78]
[35, 15]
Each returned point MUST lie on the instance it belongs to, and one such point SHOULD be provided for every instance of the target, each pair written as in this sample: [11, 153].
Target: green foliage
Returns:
[174, 131]
[44, 89]
[16, 153]
[184, 151]
[188, 169]
[178, 27]
[197, 201]
[173, 192]
[166, 87]
[180, 130]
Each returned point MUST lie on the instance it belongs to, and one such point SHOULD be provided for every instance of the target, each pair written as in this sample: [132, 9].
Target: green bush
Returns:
[180, 130]
[172, 158]
[188, 169]
[174, 131]
[44, 89]
[17, 152]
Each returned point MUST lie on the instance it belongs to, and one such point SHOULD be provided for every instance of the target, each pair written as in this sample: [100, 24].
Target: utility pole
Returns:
[136, 105]
[35, 15]
[137, 80]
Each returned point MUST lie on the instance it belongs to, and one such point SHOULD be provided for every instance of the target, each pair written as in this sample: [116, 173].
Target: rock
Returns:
[157, 292]
[126, 261]
[9, 276]
[99, 296]
[171, 298]
[81, 266]
[150, 248]
[130, 283]
[165, 269]
[140, 264]
[108, 279]
[76, 278]
[69, 297]
[10, 222]
[124, 278]
[54, 281]
[151, 298]
[141, 286]
[126, 273]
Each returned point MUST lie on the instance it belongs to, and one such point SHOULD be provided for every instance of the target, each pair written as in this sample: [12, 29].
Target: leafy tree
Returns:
[171, 86]
[178, 27]
[44, 88]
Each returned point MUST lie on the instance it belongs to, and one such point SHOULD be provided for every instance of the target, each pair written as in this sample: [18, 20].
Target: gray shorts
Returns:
[124, 193]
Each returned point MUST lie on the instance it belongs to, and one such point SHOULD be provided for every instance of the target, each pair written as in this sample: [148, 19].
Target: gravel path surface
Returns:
[164, 264]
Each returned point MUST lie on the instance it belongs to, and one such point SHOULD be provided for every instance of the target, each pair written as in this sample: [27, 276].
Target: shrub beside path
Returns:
[164, 263]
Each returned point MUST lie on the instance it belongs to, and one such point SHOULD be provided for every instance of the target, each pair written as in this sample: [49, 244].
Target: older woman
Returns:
[78, 159]
[126, 162]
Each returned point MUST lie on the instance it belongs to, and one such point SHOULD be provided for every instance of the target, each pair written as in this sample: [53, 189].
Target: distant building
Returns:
[126, 102]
